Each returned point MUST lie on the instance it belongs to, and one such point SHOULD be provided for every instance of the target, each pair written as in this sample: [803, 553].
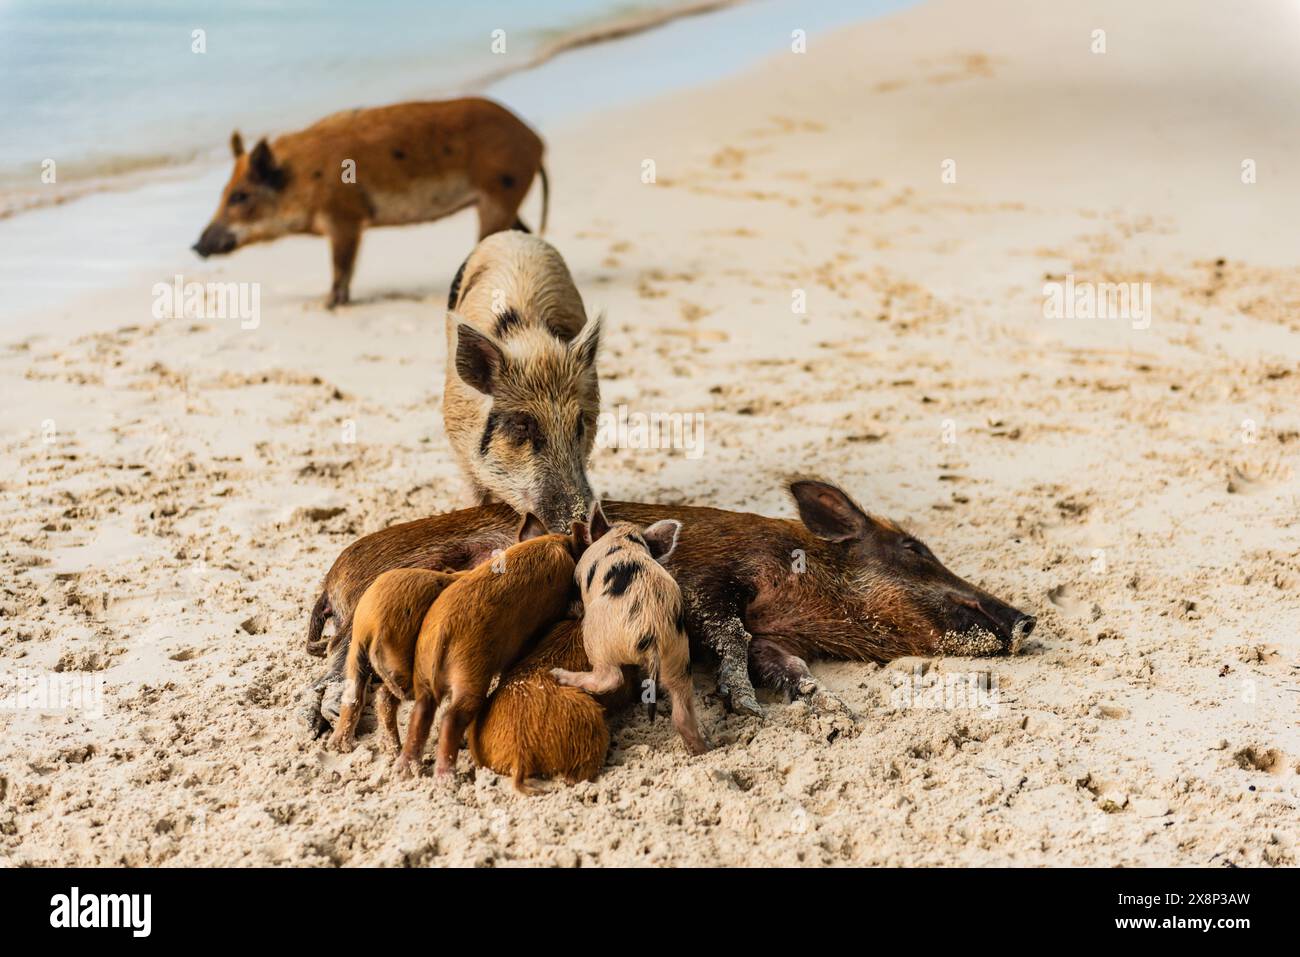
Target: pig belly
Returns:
[421, 201]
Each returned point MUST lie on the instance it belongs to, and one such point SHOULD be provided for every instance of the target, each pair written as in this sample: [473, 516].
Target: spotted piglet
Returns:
[633, 614]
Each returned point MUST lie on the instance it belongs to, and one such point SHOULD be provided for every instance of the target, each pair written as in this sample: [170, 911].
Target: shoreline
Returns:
[131, 172]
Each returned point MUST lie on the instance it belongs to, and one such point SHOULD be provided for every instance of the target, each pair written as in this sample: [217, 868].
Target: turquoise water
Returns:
[103, 87]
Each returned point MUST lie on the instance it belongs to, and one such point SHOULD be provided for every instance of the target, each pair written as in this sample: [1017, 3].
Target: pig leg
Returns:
[681, 691]
[386, 710]
[776, 667]
[500, 196]
[321, 702]
[354, 701]
[731, 641]
[345, 240]
[461, 711]
[312, 699]
[601, 679]
[713, 618]
[496, 213]
[417, 733]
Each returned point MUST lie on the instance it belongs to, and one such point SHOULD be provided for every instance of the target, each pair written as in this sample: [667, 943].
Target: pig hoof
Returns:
[404, 767]
[742, 703]
[311, 716]
[342, 744]
[822, 702]
[331, 701]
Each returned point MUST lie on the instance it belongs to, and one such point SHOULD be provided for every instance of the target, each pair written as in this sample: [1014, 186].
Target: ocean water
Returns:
[108, 86]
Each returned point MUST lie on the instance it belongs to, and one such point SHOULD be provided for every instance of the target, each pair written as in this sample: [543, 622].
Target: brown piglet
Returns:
[385, 628]
[478, 627]
[534, 727]
[633, 614]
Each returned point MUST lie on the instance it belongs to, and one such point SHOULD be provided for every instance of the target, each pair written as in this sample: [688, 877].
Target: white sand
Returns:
[1099, 474]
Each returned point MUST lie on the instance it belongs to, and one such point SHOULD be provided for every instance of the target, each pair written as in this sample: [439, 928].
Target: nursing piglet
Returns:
[479, 626]
[633, 614]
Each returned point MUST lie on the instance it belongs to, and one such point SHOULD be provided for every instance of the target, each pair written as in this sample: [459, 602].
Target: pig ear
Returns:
[662, 538]
[828, 513]
[262, 167]
[236, 144]
[597, 523]
[479, 360]
[581, 538]
[587, 344]
[532, 527]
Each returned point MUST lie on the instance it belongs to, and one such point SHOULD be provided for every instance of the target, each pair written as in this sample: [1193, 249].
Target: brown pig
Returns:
[478, 627]
[521, 396]
[533, 727]
[763, 594]
[632, 614]
[384, 632]
[385, 166]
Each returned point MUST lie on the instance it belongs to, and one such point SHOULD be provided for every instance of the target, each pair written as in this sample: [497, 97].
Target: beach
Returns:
[852, 263]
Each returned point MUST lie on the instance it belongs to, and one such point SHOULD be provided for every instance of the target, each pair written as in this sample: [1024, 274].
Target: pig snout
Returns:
[1007, 623]
[215, 241]
[560, 507]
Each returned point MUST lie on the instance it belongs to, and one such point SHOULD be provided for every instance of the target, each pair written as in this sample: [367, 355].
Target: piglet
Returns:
[633, 614]
[479, 626]
[533, 727]
[385, 628]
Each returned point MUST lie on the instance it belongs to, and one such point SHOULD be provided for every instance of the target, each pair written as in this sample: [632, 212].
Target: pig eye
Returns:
[912, 545]
[237, 197]
[523, 428]
[581, 429]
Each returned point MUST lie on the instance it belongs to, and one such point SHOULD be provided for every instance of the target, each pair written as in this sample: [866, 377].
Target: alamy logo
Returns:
[103, 910]
[179, 299]
[651, 430]
[1098, 300]
[53, 692]
[959, 691]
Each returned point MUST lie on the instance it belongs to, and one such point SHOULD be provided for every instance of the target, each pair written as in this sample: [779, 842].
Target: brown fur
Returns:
[477, 628]
[414, 162]
[532, 727]
[521, 395]
[384, 632]
[862, 593]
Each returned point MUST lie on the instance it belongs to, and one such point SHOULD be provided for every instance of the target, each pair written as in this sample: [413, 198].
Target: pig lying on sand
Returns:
[387, 166]
[761, 593]
[633, 614]
[521, 396]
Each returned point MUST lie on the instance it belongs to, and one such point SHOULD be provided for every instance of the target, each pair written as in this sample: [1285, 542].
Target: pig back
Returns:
[523, 278]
